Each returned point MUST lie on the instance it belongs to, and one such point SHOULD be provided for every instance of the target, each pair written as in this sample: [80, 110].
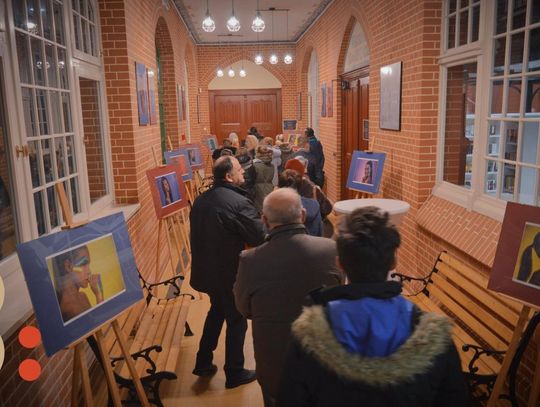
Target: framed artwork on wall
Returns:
[330, 100]
[299, 106]
[180, 103]
[323, 100]
[152, 101]
[365, 172]
[390, 98]
[79, 279]
[142, 93]
[289, 124]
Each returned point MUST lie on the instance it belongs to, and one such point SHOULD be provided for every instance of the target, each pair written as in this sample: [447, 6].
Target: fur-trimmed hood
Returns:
[431, 338]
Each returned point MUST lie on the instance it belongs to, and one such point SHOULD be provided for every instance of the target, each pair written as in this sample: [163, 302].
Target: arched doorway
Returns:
[355, 100]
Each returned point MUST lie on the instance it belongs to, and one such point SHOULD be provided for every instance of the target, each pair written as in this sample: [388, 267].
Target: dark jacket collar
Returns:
[286, 230]
[228, 185]
[387, 289]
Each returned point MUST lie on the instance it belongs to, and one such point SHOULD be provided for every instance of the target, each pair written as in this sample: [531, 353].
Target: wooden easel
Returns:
[80, 367]
[503, 373]
[362, 195]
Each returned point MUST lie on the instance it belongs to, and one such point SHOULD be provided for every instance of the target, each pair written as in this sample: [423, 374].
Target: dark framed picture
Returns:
[365, 128]
[183, 97]
[152, 101]
[330, 100]
[178, 157]
[79, 279]
[289, 124]
[168, 189]
[210, 141]
[390, 98]
[193, 155]
[179, 95]
[142, 94]
[365, 172]
[198, 108]
[515, 272]
[299, 106]
[323, 100]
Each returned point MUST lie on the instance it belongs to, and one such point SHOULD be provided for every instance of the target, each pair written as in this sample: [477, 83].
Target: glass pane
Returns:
[452, 32]
[47, 160]
[18, 14]
[82, 8]
[496, 97]
[37, 54]
[498, 59]
[459, 124]
[84, 33]
[29, 113]
[41, 100]
[535, 11]
[60, 156]
[452, 6]
[475, 23]
[509, 177]
[8, 230]
[518, 14]
[492, 171]
[75, 195]
[66, 109]
[75, 5]
[526, 185]
[532, 104]
[463, 27]
[59, 23]
[70, 155]
[40, 212]
[514, 96]
[77, 31]
[91, 14]
[33, 17]
[516, 52]
[46, 19]
[52, 70]
[62, 71]
[502, 15]
[53, 208]
[56, 113]
[529, 142]
[493, 139]
[534, 50]
[510, 141]
[23, 55]
[33, 155]
[93, 48]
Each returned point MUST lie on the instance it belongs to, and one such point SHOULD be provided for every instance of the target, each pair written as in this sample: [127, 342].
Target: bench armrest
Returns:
[175, 281]
[145, 354]
[405, 278]
[478, 352]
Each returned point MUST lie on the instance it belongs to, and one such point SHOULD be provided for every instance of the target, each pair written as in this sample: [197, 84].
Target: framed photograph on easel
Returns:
[178, 157]
[168, 189]
[365, 172]
[193, 155]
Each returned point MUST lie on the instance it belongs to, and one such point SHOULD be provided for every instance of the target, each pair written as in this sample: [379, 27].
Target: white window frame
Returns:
[76, 53]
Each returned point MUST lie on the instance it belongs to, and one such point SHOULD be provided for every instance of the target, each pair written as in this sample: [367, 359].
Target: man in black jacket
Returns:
[365, 344]
[223, 221]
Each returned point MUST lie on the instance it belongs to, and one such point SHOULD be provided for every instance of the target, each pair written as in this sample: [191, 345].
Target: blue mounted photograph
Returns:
[365, 171]
[79, 279]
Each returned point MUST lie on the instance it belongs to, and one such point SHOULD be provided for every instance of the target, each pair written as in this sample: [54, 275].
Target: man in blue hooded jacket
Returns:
[363, 343]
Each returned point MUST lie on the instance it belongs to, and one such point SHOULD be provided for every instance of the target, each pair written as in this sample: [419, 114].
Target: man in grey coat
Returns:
[274, 279]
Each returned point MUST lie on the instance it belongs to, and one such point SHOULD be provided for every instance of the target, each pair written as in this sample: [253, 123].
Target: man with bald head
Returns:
[274, 279]
[223, 221]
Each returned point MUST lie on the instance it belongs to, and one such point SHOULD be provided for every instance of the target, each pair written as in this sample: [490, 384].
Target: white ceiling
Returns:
[302, 13]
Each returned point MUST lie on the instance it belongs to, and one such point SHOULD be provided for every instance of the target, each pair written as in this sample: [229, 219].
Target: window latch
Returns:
[21, 151]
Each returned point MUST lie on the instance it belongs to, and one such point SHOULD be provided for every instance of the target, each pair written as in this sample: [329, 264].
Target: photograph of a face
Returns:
[168, 189]
[167, 186]
[178, 157]
[193, 155]
[142, 94]
[293, 139]
[210, 141]
[365, 171]
[78, 279]
[85, 277]
[527, 268]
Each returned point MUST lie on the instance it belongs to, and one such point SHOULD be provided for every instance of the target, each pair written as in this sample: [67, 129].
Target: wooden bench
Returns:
[484, 320]
[153, 325]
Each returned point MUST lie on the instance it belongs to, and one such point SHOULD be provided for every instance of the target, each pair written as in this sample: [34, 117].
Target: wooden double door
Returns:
[238, 110]
[355, 121]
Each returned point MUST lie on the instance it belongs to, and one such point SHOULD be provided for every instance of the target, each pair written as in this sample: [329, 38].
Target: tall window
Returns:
[491, 100]
[84, 26]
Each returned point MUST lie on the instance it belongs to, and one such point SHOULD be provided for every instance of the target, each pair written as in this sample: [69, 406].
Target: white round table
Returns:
[396, 209]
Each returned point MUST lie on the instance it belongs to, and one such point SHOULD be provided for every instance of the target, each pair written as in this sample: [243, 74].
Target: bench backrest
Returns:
[462, 292]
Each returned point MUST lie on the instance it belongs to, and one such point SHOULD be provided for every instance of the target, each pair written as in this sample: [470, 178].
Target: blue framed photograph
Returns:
[365, 172]
[193, 154]
[179, 157]
[79, 279]
[142, 94]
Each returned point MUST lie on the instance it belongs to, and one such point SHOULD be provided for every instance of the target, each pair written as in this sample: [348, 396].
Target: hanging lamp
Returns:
[288, 59]
[208, 24]
[273, 58]
[258, 23]
[258, 57]
[219, 71]
[233, 25]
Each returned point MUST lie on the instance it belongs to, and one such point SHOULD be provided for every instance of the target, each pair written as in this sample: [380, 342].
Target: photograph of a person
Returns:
[178, 157]
[527, 269]
[85, 276]
[167, 186]
[193, 155]
[142, 94]
[365, 171]
[210, 141]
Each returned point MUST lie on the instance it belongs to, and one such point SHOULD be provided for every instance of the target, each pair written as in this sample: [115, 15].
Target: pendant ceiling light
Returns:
[288, 59]
[258, 58]
[208, 24]
[258, 23]
[273, 58]
[231, 73]
[242, 73]
[219, 71]
[233, 25]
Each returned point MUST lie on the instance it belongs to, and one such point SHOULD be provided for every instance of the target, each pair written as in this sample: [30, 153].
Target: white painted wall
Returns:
[257, 78]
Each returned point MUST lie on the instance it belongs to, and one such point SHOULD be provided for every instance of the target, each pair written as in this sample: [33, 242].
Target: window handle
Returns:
[21, 150]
